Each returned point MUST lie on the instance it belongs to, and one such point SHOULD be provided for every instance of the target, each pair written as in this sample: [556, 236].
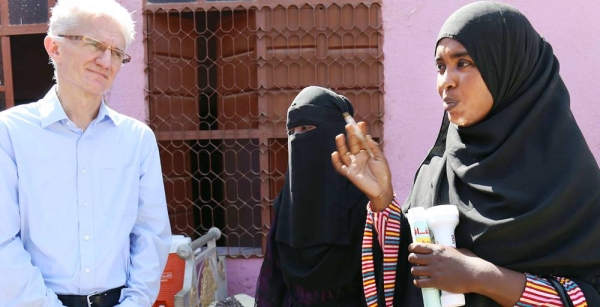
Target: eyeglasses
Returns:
[98, 46]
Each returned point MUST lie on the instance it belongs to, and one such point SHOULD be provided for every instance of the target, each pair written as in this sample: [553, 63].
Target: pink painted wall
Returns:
[413, 108]
[128, 94]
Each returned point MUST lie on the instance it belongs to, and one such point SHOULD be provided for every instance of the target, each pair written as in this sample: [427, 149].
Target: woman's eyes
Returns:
[460, 64]
[464, 63]
[301, 129]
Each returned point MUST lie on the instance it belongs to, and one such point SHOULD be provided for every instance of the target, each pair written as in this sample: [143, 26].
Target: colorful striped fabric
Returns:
[387, 223]
[539, 292]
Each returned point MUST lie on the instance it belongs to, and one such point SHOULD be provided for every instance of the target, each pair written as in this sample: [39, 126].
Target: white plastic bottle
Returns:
[420, 233]
[442, 221]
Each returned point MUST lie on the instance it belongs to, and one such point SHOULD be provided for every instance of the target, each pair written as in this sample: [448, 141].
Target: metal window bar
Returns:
[220, 79]
[18, 18]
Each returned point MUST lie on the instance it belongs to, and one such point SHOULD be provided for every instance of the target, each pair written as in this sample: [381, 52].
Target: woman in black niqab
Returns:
[313, 255]
[523, 178]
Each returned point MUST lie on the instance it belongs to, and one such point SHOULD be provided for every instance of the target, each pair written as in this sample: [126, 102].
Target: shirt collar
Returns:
[51, 111]
[107, 112]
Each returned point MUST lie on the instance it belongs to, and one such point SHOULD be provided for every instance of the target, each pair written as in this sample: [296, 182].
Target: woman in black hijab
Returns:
[313, 251]
[512, 159]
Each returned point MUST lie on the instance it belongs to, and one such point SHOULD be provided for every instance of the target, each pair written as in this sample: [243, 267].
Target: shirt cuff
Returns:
[540, 292]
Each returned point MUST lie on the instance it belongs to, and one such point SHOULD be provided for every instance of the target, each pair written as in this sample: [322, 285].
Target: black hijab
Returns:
[320, 214]
[524, 180]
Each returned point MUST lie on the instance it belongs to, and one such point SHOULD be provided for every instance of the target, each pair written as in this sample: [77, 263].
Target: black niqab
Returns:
[320, 214]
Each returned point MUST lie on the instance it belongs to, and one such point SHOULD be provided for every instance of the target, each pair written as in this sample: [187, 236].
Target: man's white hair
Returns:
[67, 15]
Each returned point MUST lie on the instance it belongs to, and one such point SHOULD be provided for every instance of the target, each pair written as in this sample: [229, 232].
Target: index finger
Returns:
[421, 248]
[356, 137]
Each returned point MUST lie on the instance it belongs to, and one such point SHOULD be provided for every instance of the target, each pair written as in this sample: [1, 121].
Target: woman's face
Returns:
[466, 97]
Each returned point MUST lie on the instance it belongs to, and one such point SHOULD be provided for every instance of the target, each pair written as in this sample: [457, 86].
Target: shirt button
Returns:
[83, 171]
[87, 270]
[85, 204]
[86, 238]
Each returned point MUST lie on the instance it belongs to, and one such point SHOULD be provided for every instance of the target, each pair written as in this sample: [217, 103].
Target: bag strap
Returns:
[562, 292]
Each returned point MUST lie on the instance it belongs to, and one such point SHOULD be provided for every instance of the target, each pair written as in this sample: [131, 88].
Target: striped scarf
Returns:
[387, 224]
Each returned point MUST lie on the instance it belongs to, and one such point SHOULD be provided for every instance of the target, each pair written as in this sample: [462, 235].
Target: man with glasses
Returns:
[83, 216]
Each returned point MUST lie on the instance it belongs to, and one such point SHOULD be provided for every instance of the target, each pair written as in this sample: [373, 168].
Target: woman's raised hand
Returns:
[370, 174]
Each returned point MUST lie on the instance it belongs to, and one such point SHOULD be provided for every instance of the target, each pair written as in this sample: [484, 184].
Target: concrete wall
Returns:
[413, 108]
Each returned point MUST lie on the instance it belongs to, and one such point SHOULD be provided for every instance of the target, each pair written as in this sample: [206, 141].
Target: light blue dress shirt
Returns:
[81, 212]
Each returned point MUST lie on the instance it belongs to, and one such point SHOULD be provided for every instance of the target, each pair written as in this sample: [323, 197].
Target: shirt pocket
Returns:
[119, 188]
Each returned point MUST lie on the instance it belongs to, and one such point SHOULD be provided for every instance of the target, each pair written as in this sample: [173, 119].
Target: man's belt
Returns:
[107, 298]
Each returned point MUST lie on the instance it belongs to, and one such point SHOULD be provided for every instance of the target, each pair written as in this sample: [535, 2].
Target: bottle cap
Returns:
[442, 213]
[417, 214]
